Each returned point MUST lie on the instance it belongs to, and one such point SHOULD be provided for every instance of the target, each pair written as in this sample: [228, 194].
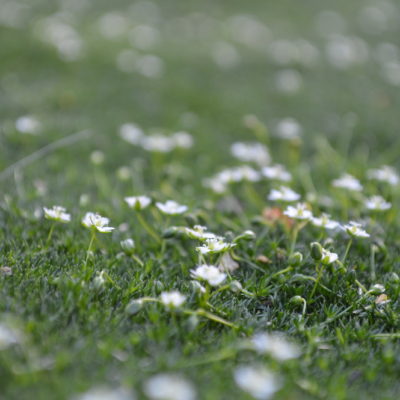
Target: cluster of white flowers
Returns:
[157, 142]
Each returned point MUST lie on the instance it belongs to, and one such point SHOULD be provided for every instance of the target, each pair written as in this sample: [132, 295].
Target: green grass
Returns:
[77, 335]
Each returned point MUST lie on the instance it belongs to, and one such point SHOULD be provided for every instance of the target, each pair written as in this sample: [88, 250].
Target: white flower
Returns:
[328, 257]
[183, 140]
[128, 244]
[214, 246]
[251, 152]
[97, 222]
[347, 181]
[172, 299]
[215, 184]
[283, 194]
[227, 263]
[158, 143]
[99, 279]
[276, 345]
[131, 133]
[169, 387]
[57, 213]
[171, 207]
[28, 124]
[105, 393]
[208, 273]
[288, 129]
[299, 211]
[246, 173]
[277, 172]
[377, 203]
[138, 202]
[199, 232]
[9, 336]
[257, 381]
[354, 229]
[324, 221]
[97, 157]
[384, 174]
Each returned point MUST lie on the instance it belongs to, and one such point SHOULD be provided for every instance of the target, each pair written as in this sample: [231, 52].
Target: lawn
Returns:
[271, 126]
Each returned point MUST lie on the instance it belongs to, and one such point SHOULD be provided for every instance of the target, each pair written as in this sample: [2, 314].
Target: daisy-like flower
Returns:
[182, 140]
[277, 172]
[131, 133]
[355, 229]
[57, 213]
[289, 129]
[299, 211]
[377, 203]
[349, 182]
[283, 194]
[200, 233]
[215, 184]
[169, 387]
[96, 222]
[328, 257]
[128, 245]
[208, 273]
[276, 345]
[251, 152]
[106, 393]
[172, 299]
[214, 246]
[158, 143]
[246, 173]
[171, 207]
[384, 174]
[138, 202]
[325, 221]
[259, 382]
[28, 124]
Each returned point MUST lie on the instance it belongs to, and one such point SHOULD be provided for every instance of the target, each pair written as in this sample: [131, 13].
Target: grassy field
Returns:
[92, 94]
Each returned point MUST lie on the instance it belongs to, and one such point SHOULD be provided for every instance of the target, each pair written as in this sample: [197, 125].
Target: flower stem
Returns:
[347, 250]
[50, 234]
[294, 239]
[148, 228]
[320, 269]
[93, 237]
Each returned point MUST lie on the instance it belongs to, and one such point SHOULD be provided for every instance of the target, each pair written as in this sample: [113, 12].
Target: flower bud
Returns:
[99, 281]
[377, 289]
[296, 300]
[394, 277]
[316, 251]
[295, 259]
[235, 286]
[134, 307]
[128, 245]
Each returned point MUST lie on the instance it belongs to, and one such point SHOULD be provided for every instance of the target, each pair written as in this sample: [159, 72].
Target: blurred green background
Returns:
[199, 67]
